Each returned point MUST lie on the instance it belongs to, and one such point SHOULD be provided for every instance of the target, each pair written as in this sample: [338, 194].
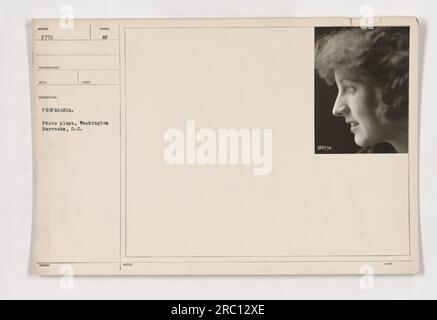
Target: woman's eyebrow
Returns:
[349, 80]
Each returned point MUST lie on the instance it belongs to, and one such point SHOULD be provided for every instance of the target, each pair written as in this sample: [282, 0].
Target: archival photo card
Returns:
[255, 146]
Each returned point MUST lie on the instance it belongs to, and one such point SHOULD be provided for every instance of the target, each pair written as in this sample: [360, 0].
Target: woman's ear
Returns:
[381, 108]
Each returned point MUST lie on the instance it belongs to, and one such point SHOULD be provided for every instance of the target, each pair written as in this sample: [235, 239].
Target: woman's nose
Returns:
[340, 107]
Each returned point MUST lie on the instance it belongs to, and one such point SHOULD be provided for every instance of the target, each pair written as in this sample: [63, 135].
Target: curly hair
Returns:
[379, 57]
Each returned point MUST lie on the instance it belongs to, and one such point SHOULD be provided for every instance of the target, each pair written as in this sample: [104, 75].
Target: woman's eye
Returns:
[350, 89]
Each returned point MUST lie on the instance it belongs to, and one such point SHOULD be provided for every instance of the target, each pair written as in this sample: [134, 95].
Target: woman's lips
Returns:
[354, 125]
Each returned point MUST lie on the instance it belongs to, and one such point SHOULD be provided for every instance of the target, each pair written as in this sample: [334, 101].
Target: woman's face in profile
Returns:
[357, 103]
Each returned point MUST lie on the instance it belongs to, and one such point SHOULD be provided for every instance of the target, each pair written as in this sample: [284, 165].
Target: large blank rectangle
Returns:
[308, 206]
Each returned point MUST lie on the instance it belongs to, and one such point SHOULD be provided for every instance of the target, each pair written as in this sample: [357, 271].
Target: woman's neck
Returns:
[400, 140]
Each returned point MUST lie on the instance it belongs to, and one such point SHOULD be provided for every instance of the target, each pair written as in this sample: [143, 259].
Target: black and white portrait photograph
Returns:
[361, 90]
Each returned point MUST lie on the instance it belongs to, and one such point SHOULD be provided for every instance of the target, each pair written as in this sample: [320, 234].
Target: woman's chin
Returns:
[362, 142]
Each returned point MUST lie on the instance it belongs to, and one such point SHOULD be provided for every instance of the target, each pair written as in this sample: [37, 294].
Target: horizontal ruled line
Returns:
[76, 40]
[79, 84]
[76, 54]
[236, 261]
[54, 69]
